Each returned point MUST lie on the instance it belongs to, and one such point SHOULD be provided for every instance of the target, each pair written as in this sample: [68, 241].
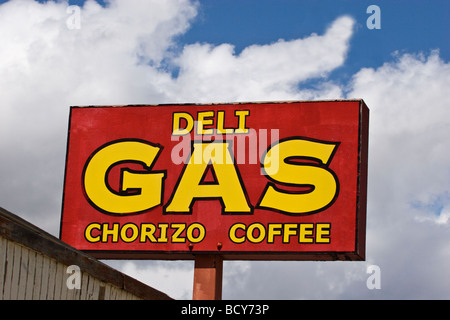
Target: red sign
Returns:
[263, 181]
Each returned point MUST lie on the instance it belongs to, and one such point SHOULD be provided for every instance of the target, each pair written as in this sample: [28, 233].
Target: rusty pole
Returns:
[208, 271]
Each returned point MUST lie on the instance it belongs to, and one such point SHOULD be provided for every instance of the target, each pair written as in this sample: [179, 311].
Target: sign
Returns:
[261, 181]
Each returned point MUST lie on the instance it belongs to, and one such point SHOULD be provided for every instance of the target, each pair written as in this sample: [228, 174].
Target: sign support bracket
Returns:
[208, 274]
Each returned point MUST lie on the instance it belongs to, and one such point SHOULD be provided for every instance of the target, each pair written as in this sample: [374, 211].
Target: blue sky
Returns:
[211, 51]
[406, 26]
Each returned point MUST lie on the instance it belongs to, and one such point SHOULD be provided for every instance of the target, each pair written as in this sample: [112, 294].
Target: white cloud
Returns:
[270, 72]
[120, 56]
[410, 121]
[46, 67]
[174, 278]
[409, 171]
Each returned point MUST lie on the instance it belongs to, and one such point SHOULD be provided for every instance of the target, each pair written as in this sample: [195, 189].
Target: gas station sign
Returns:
[250, 181]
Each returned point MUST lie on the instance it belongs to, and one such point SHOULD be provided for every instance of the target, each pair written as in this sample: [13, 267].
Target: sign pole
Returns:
[208, 271]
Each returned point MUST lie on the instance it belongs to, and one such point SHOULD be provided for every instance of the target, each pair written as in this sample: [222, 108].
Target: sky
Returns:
[53, 56]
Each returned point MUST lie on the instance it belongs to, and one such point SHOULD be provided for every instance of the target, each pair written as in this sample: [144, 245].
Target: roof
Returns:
[18, 230]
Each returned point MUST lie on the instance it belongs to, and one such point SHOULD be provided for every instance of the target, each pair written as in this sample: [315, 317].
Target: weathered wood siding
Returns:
[33, 266]
[29, 275]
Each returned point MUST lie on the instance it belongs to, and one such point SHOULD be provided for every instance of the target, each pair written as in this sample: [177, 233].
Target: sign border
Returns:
[359, 252]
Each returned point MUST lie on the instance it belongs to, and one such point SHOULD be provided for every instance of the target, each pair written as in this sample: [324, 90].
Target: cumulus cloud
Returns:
[409, 170]
[272, 71]
[127, 53]
[114, 58]
[410, 120]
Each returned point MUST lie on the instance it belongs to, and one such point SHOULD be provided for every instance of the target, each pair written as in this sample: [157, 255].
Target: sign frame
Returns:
[356, 254]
